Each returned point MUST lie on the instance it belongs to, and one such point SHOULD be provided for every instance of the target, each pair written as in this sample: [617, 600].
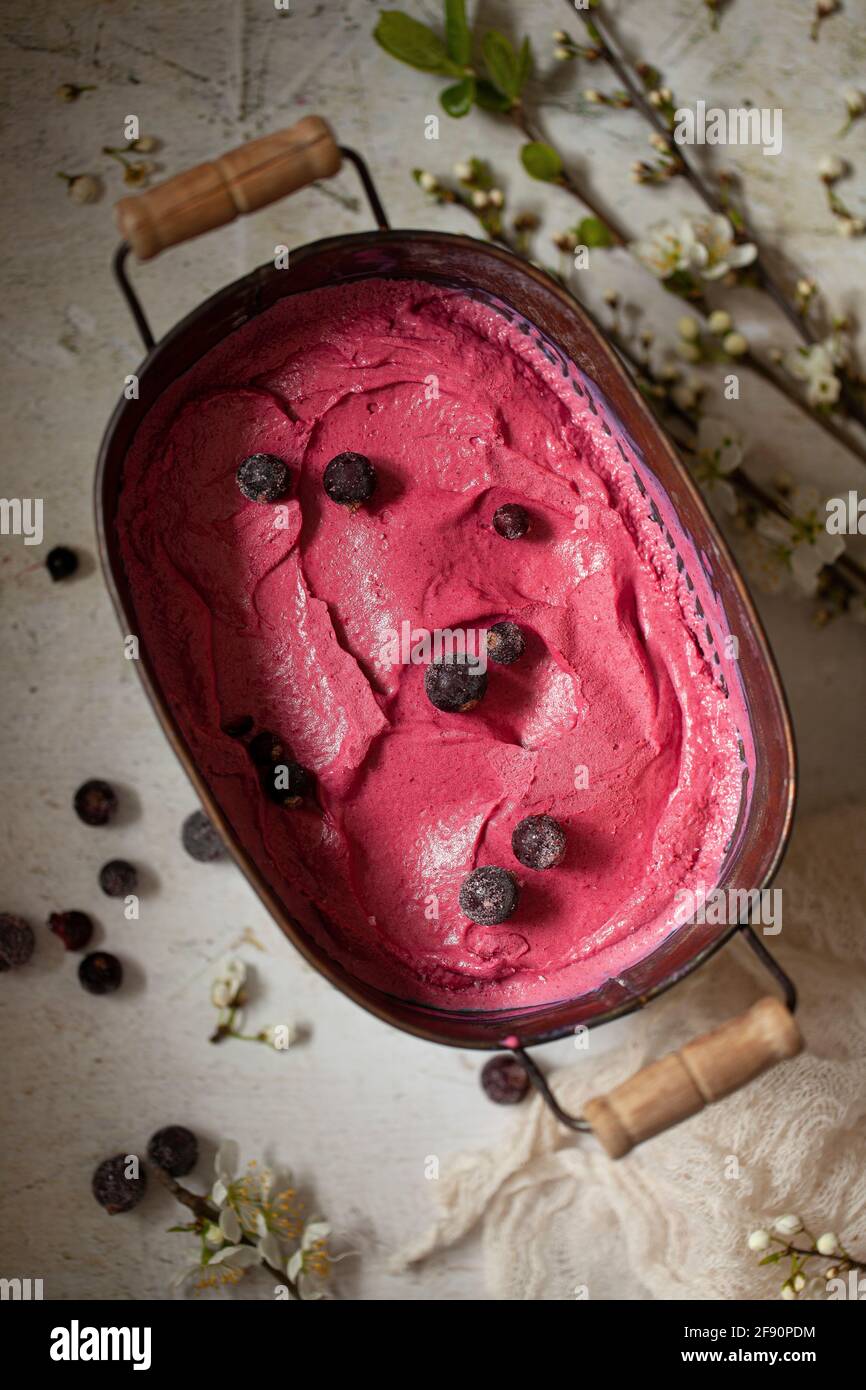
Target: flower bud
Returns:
[759, 1240]
[736, 344]
[831, 168]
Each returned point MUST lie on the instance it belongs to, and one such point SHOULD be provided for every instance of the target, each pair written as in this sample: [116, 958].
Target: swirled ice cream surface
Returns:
[610, 722]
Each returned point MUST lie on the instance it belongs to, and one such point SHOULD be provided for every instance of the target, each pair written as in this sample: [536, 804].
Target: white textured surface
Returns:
[357, 1109]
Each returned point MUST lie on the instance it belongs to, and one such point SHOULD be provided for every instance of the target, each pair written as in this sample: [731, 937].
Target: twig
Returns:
[611, 54]
[566, 180]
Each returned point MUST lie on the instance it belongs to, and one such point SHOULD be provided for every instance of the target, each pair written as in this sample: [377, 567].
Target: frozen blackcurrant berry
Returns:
[200, 838]
[538, 842]
[74, 929]
[286, 783]
[119, 1183]
[505, 643]
[504, 1080]
[263, 478]
[455, 685]
[61, 562]
[240, 727]
[488, 895]
[349, 479]
[117, 878]
[511, 521]
[100, 973]
[95, 802]
[174, 1149]
[266, 748]
[16, 941]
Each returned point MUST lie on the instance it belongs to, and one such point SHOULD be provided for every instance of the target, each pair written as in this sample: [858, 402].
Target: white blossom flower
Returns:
[851, 226]
[855, 102]
[799, 1283]
[827, 1244]
[759, 1240]
[427, 181]
[803, 546]
[480, 199]
[561, 54]
[718, 453]
[237, 1256]
[720, 322]
[225, 1167]
[497, 197]
[689, 328]
[667, 248]
[816, 366]
[788, 1292]
[228, 982]
[463, 170]
[719, 252]
[309, 1266]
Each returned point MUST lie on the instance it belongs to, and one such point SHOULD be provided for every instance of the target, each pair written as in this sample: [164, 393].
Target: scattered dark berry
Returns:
[117, 878]
[349, 479]
[95, 802]
[61, 562]
[240, 727]
[16, 941]
[263, 478]
[113, 1189]
[538, 842]
[100, 973]
[266, 748]
[504, 1080]
[174, 1149]
[286, 783]
[488, 895]
[511, 521]
[455, 685]
[74, 929]
[505, 643]
[201, 839]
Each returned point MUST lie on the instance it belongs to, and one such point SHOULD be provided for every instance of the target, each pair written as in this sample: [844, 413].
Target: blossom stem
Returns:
[205, 1211]
[525, 123]
[611, 55]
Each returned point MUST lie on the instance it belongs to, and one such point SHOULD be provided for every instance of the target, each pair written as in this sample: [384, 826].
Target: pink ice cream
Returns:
[611, 722]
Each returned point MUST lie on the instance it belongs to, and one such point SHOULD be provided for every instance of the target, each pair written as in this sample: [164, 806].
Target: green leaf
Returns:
[502, 63]
[413, 43]
[524, 64]
[593, 232]
[772, 1259]
[489, 98]
[541, 161]
[457, 35]
[457, 100]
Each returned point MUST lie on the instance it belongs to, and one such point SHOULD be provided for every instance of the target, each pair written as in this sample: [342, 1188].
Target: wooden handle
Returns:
[682, 1083]
[210, 195]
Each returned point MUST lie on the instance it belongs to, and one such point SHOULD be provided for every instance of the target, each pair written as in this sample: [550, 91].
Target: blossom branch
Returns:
[207, 1214]
[660, 121]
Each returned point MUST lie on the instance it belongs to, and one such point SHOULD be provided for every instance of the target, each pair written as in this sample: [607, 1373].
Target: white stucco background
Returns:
[358, 1108]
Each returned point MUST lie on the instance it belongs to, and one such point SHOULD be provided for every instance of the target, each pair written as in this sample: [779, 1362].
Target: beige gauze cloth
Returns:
[560, 1220]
